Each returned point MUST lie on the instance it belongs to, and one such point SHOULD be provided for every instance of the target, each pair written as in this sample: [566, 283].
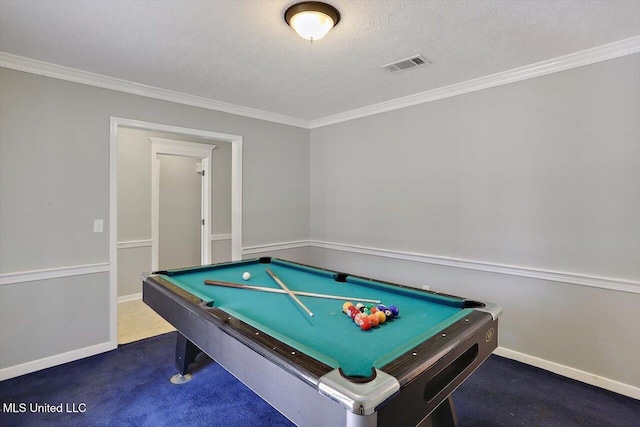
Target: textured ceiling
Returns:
[242, 52]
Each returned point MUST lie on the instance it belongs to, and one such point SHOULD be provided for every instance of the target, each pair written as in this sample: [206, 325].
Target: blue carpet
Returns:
[130, 387]
[504, 392]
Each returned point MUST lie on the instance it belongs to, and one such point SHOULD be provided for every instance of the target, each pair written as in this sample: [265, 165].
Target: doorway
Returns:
[235, 149]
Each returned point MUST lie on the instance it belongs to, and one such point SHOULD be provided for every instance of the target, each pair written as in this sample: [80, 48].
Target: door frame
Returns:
[172, 147]
[236, 198]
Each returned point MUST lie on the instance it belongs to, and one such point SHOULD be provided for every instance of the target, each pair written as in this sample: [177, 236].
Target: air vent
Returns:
[405, 64]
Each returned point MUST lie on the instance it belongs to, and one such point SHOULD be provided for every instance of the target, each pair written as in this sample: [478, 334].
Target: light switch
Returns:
[97, 226]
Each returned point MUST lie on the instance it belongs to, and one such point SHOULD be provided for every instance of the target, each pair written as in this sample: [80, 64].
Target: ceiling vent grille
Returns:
[405, 64]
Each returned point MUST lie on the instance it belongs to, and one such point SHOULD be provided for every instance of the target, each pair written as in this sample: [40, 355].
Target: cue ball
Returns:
[246, 275]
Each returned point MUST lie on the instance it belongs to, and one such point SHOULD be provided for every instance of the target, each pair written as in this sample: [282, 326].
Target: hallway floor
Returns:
[137, 321]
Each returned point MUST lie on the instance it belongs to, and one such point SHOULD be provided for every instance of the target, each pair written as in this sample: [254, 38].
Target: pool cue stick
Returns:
[282, 291]
[291, 294]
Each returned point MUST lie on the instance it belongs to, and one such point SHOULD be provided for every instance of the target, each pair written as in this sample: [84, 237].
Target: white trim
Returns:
[128, 298]
[113, 230]
[275, 247]
[236, 199]
[568, 372]
[586, 57]
[130, 244]
[181, 148]
[574, 60]
[48, 362]
[203, 152]
[53, 273]
[614, 284]
[46, 69]
[218, 237]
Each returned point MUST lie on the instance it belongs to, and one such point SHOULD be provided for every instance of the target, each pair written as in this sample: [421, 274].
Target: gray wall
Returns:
[54, 181]
[543, 173]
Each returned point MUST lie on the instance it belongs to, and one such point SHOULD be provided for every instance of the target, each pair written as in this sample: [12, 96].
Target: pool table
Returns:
[323, 369]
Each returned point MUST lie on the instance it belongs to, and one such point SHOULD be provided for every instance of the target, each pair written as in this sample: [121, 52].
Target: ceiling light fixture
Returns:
[312, 20]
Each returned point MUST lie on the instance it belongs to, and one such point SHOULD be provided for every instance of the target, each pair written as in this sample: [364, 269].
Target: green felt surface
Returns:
[330, 336]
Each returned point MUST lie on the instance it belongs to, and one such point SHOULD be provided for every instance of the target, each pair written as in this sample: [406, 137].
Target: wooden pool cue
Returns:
[282, 291]
[283, 286]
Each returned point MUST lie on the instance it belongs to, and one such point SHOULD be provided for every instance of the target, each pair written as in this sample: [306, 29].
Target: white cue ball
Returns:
[246, 275]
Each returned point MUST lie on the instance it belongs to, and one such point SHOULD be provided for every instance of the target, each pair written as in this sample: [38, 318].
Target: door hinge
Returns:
[203, 222]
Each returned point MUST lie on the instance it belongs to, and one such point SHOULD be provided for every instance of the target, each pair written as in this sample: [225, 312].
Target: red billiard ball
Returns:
[352, 311]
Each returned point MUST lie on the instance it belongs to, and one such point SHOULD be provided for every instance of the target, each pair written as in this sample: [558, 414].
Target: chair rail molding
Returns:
[614, 284]
[53, 273]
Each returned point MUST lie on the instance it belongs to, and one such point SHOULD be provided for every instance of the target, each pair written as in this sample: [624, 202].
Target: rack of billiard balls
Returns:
[369, 315]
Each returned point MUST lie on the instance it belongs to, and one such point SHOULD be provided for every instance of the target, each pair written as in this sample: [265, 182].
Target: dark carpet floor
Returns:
[130, 387]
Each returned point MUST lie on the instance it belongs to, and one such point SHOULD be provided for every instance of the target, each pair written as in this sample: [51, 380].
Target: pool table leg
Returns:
[443, 416]
[186, 353]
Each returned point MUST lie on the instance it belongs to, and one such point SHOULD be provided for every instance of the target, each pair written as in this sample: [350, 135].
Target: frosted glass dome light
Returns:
[312, 20]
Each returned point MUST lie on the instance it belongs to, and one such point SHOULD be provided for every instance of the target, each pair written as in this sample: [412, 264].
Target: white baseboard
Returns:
[58, 359]
[574, 374]
[132, 297]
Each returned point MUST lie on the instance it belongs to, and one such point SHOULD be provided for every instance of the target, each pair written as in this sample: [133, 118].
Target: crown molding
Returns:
[46, 69]
[590, 56]
[586, 57]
